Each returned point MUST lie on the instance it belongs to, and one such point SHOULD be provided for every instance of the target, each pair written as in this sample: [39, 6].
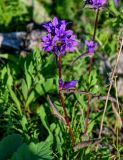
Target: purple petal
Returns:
[69, 32]
[47, 26]
[87, 42]
[91, 45]
[63, 49]
[73, 37]
[69, 84]
[63, 22]
[63, 27]
[48, 49]
[55, 40]
[55, 21]
[91, 50]
[57, 51]
[45, 38]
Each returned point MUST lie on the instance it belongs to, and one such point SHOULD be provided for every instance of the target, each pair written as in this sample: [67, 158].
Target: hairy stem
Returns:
[66, 117]
[62, 100]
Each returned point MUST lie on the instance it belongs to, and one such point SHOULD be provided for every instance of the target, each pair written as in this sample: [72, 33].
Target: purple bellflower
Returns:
[91, 45]
[95, 3]
[59, 39]
[66, 85]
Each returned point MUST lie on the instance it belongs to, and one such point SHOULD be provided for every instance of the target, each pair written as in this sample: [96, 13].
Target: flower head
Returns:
[55, 23]
[96, 3]
[59, 39]
[91, 45]
[66, 85]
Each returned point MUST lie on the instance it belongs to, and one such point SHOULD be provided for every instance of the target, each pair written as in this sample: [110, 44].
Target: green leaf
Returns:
[9, 57]
[28, 77]
[59, 140]
[113, 8]
[39, 151]
[3, 73]
[48, 84]
[39, 89]
[15, 99]
[24, 123]
[91, 126]
[10, 79]
[81, 100]
[30, 99]
[24, 89]
[9, 145]
[42, 114]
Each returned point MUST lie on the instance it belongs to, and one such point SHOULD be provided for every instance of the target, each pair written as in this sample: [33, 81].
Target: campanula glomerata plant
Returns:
[62, 99]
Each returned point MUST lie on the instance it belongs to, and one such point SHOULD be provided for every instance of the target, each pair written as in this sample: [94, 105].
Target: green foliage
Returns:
[66, 8]
[39, 151]
[12, 13]
[13, 147]
[9, 145]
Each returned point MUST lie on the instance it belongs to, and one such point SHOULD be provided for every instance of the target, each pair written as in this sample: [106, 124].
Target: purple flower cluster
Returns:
[66, 85]
[96, 3]
[91, 45]
[59, 39]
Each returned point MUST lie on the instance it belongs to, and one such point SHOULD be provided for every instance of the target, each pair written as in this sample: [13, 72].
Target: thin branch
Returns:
[103, 98]
[55, 112]
[111, 83]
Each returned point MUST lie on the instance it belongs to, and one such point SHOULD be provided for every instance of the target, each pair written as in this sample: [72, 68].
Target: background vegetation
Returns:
[28, 129]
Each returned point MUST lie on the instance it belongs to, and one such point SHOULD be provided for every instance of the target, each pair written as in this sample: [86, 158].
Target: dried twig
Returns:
[111, 83]
[55, 112]
[103, 98]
